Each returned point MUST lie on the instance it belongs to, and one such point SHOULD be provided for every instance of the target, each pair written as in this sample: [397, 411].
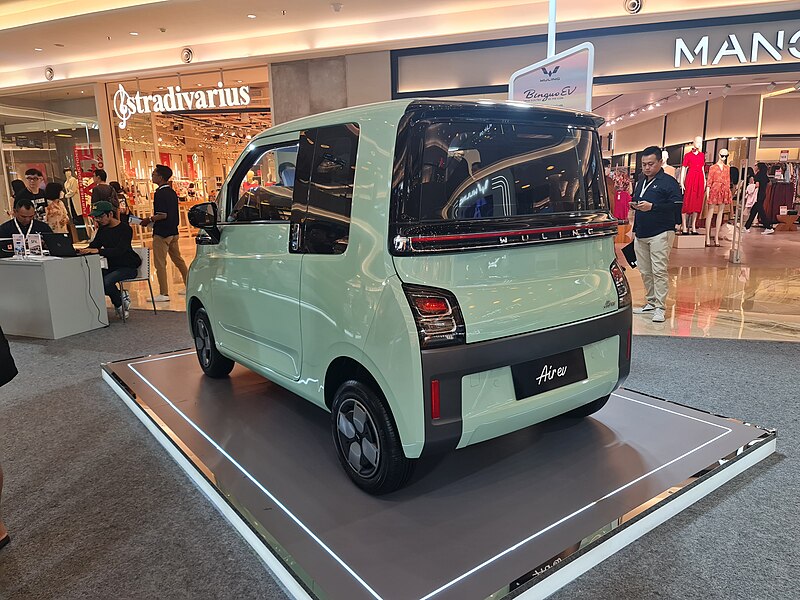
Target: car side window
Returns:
[330, 192]
[262, 187]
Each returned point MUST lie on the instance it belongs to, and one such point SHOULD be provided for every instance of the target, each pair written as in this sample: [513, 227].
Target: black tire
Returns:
[366, 440]
[211, 361]
[587, 409]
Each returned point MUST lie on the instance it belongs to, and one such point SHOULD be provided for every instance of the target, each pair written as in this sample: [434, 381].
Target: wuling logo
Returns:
[550, 73]
[174, 99]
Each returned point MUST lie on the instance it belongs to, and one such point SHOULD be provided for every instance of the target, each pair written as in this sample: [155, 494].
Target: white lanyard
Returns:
[162, 186]
[645, 186]
[27, 233]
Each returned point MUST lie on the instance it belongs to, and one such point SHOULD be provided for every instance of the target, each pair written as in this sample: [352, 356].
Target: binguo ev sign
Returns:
[174, 99]
[782, 45]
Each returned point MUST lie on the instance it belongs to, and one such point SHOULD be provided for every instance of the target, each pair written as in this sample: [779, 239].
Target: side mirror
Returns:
[204, 216]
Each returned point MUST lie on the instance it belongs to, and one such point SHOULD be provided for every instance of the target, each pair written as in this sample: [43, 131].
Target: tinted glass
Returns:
[265, 183]
[484, 171]
[330, 192]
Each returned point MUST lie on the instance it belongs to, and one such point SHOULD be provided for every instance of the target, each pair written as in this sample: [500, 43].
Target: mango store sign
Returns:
[563, 80]
[174, 99]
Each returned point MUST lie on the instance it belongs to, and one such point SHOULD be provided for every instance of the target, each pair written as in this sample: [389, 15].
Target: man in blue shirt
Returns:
[655, 199]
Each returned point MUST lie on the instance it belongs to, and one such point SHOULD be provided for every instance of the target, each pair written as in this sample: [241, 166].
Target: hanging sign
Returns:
[87, 159]
[784, 156]
[174, 99]
[563, 80]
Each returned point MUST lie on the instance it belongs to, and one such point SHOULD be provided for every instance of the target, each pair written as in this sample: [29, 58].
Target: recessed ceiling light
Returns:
[38, 49]
[771, 86]
[251, 16]
[82, 92]
[199, 85]
[238, 81]
[134, 32]
[161, 87]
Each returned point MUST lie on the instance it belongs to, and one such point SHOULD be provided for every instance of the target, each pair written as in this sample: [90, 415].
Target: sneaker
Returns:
[126, 300]
[161, 298]
[658, 315]
[182, 293]
[644, 309]
[119, 310]
[767, 231]
[747, 230]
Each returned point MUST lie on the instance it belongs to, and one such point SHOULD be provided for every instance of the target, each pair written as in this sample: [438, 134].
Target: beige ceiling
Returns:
[85, 43]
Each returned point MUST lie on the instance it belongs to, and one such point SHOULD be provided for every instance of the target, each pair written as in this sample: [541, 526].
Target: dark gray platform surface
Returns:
[467, 525]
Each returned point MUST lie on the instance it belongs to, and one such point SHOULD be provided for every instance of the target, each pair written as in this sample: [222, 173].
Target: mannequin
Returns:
[669, 170]
[71, 193]
[718, 194]
[693, 184]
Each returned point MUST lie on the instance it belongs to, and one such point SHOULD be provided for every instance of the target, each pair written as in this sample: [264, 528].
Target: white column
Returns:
[105, 124]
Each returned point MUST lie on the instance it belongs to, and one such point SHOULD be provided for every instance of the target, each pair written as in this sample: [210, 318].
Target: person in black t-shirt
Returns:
[165, 231]
[32, 192]
[24, 221]
[113, 241]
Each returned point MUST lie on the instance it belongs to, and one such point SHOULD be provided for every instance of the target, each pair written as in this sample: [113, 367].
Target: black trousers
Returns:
[758, 208]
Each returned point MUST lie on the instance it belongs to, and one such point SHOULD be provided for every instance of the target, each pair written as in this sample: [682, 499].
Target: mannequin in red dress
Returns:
[693, 184]
[718, 194]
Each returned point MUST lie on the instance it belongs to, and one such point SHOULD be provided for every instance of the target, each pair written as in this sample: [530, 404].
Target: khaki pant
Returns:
[161, 247]
[652, 259]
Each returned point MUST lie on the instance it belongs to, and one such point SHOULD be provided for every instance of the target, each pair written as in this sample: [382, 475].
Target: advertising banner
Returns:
[563, 80]
[88, 157]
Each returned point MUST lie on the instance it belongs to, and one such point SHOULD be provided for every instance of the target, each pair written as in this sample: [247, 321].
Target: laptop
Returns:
[6, 247]
[59, 244]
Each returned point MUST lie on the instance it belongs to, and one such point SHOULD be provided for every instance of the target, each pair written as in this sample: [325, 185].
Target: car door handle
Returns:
[295, 237]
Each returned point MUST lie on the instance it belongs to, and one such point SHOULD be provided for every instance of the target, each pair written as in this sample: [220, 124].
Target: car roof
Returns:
[394, 110]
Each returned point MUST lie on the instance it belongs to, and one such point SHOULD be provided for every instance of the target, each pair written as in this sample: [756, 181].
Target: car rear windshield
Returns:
[480, 170]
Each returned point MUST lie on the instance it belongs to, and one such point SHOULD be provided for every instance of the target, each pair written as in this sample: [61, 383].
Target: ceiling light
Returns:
[161, 87]
[82, 92]
[771, 86]
[678, 93]
[38, 49]
[55, 129]
[633, 114]
[726, 90]
[658, 104]
[692, 91]
[199, 85]
[797, 86]
[251, 16]
[238, 81]
[133, 32]
[651, 107]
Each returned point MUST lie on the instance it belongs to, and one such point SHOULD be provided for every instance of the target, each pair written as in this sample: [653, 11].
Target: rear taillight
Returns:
[621, 283]
[437, 315]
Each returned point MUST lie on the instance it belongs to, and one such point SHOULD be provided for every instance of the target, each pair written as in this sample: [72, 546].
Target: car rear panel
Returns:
[508, 291]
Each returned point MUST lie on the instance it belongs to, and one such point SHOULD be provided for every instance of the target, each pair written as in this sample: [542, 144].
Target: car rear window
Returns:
[480, 170]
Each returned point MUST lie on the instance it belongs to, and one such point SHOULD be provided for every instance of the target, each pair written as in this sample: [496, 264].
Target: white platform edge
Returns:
[275, 566]
[617, 542]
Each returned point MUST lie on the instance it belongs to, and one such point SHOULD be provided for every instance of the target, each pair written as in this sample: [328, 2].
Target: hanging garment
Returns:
[719, 185]
[621, 205]
[694, 183]
[778, 194]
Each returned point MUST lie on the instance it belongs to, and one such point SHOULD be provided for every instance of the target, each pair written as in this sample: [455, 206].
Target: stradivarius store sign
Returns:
[175, 99]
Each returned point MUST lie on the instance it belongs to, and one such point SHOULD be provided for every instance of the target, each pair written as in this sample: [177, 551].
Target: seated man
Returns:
[24, 221]
[113, 241]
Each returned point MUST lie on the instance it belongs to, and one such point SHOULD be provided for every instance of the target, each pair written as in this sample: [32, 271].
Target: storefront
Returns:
[50, 131]
[196, 124]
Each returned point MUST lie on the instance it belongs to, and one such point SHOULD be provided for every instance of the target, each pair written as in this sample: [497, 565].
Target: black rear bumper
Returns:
[450, 365]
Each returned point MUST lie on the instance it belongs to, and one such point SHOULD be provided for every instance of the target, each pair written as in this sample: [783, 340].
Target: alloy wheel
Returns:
[202, 342]
[358, 438]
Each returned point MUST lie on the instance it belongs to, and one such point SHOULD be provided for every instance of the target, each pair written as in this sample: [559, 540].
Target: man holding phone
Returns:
[654, 199]
[165, 231]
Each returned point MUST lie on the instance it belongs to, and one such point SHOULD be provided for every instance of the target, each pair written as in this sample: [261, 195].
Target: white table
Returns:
[52, 298]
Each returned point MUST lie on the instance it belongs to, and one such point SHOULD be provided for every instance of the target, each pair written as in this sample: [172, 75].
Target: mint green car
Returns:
[433, 273]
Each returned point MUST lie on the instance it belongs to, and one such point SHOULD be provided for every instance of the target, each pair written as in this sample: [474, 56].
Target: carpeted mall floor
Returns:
[96, 509]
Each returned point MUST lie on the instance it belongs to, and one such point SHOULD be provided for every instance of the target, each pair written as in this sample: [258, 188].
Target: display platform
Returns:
[521, 515]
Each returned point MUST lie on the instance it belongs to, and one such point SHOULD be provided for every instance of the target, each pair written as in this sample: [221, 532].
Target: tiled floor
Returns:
[758, 299]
